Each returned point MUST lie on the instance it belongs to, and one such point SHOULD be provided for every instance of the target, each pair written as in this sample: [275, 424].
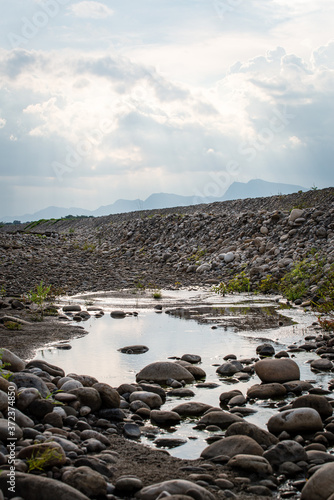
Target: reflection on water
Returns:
[172, 335]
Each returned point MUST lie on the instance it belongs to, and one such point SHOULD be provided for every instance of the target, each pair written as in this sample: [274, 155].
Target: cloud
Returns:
[91, 10]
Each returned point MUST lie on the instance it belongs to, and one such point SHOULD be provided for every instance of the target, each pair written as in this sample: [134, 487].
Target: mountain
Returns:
[238, 190]
[258, 188]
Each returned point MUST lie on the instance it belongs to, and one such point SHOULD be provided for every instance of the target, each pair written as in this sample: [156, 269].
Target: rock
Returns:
[227, 370]
[318, 403]
[22, 420]
[134, 349]
[175, 487]
[31, 487]
[164, 418]
[152, 399]
[161, 371]
[231, 446]
[191, 358]
[110, 397]
[266, 391]
[320, 486]
[229, 257]
[298, 421]
[4, 430]
[225, 397]
[169, 442]
[49, 454]
[222, 419]
[128, 485]
[23, 379]
[265, 350]
[295, 213]
[53, 370]
[72, 308]
[118, 314]
[196, 371]
[251, 463]
[277, 370]
[91, 434]
[261, 436]
[132, 431]
[181, 393]
[3, 401]
[40, 407]
[71, 384]
[15, 364]
[322, 364]
[285, 451]
[191, 409]
[86, 480]
[88, 396]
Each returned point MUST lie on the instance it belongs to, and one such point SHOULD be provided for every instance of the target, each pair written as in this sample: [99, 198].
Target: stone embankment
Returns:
[171, 247]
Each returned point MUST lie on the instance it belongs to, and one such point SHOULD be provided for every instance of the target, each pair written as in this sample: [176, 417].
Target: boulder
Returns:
[134, 349]
[175, 487]
[191, 358]
[23, 379]
[87, 481]
[49, 454]
[222, 419]
[320, 486]
[285, 451]
[161, 371]
[88, 396]
[297, 421]
[265, 350]
[277, 370]
[318, 403]
[164, 418]
[251, 463]
[152, 399]
[53, 370]
[231, 446]
[227, 369]
[4, 430]
[110, 397]
[15, 364]
[30, 487]
[321, 364]
[266, 391]
[196, 371]
[191, 409]
[261, 436]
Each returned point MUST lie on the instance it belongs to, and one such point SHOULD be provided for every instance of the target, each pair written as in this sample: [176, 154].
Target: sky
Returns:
[101, 100]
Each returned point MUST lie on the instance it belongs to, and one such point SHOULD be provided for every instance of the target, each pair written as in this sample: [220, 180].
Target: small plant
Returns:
[267, 284]
[221, 289]
[42, 459]
[3, 364]
[157, 294]
[2, 292]
[41, 294]
[12, 325]
[89, 247]
[239, 283]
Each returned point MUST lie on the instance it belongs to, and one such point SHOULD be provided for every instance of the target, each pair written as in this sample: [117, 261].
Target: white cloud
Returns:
[91, 10]
[3, 122]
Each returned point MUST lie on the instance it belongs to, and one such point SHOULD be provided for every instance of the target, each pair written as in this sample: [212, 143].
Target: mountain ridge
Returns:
[254, 188]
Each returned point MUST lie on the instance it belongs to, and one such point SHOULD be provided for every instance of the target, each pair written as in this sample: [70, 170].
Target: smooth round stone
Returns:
[266, 391]
[161, 371]
[320, 485]
[261, 436]
[53, 451]
[251, 463]
[191, 409]
[65, 397]
[86, 480]
[166, 442]
[277, 370]
[164, 418]
[23, 379]
[53, 370]
[231, 446]
[300, 420]
[265, 350]
[285, 451]
[128, 485]
[152, 399]
[4, 430]
[88, 396]
[132, 431]
[71, 384]
[317, 402]
[322, 364]
[195, 370]
[175, 487]
[181, 393]
[227, 369]
[110, 397]
[118, 314]
[134, 349]
[191, 358]
[15, 364]
[225, 397]
[222, 419]
[72, 308]
[238, 400]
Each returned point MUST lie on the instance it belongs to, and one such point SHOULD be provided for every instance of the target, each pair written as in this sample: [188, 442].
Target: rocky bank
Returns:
[77, 438]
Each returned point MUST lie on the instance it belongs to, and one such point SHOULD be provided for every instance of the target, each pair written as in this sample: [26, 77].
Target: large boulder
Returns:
[277, 370]
[231, 446]
[175, 487]
[261, 436]
[319, 403]
[222, 419]
[266, 391]
[161, 371]
[23, 379]
[285, 451]
[30, 487]
[298, 421]
[320, 486]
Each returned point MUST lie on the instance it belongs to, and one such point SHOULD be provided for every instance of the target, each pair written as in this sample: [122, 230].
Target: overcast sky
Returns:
[103, 100]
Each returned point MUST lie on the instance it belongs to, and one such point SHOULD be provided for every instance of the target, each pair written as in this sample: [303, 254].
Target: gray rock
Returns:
[31, 487]
[164, 418]
[51, 453]
[169, 442]
[191, 358]
[191, 409]
[161, 371]
[128, 485]
[88, 396]
[318, 403]
[134, 349]
[132, 431]
[320, 486]
[261, 436]
[322, 364]
[175, 487]
[87, 481]
[152, 399]
[110, 397]
[222, 419]
[266, 391]
[16, 364]
[53, 370]
[227, 369]
[285, 451]
[4, 430]
[3, 401]
[298, 421]
[118, 314]
[231, 446]
[277, 370]
[23, 379]
[265, 350]
[251, 463]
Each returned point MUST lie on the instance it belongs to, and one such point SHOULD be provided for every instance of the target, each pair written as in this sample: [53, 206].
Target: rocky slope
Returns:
[169, 247]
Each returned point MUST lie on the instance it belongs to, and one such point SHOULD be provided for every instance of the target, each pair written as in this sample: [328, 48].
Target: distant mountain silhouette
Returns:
[238, 190]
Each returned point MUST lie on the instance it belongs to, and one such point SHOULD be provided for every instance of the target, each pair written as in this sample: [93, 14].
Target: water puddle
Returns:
[189, 322]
